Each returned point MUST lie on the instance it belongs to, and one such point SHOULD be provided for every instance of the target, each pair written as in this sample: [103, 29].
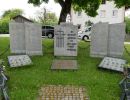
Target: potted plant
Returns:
[127, 69]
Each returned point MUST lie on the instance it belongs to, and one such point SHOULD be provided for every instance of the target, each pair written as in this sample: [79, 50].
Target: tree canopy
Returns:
[89, 6]
[6, 17]
[46, 17]
[12, 13]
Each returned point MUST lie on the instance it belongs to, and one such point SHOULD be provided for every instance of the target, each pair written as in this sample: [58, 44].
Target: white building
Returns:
[107, 12]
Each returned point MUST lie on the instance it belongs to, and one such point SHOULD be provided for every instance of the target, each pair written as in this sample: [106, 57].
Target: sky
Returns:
[29, 9]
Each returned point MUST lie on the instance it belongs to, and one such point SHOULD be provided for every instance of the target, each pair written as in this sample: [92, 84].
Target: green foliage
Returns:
[88, 23]
[37, 2]
[47, 18]
[4, 25]
[89, 6]
[6, 17]
[12, 13]
[50, 19]
[120, 3]
[127, 21]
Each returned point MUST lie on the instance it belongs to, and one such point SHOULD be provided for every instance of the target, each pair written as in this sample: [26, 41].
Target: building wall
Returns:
[109, 7]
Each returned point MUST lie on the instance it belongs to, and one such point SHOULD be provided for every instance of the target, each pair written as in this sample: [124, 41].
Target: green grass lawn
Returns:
[24, 83]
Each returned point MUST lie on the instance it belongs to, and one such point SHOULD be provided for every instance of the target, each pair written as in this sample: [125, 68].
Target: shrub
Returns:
[127, 21]
[4, 26]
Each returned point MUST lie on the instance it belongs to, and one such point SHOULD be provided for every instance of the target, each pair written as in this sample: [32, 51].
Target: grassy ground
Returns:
[25, 82]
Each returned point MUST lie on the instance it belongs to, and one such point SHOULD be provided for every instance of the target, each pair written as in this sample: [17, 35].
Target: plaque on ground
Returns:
[65, 40]
[19, 60]
[53, 92]
[64, 65]
[113, 64]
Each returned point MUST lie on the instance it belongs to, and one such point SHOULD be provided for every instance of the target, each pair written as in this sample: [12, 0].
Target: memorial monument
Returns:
[25, 38]
[65, 45]
[107, 40]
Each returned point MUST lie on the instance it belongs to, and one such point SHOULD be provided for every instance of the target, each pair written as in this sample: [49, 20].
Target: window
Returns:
[103, 1]
[79, 13]
[79, 26]
[115, 13]
[102, 13]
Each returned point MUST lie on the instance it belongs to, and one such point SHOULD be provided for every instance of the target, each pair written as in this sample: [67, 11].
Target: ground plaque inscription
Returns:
[113, 63]
[19, 60]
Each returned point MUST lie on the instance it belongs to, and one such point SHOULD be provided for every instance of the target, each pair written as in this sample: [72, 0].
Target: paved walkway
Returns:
[126, 42]
[4, 35]
[53, 92]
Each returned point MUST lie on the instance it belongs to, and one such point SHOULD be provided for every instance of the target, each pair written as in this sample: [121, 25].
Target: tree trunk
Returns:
[66, 8]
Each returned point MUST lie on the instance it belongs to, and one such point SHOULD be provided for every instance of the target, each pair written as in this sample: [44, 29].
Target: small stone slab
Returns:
[113, 64]
[64, 65]
[19, 60]
[53, 92]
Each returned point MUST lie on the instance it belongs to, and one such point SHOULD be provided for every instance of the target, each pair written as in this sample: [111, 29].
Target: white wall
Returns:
[108, 7]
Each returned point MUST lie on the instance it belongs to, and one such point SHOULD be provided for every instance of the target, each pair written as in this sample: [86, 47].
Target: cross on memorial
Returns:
[60, 38]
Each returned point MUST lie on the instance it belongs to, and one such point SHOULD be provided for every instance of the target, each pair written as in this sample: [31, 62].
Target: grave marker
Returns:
[17, 37]
[25, 38]
[113, 64]
[33, 33]
[99, 39]
[19, 60]
[107, 40]
[65, 40]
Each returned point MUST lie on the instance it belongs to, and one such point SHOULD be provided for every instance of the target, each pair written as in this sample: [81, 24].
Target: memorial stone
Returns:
[116, 40]
[17, 37]
[25, 38]
[19, 60]
[65, 40]
[33, 33]
[99, 38]
[107, 40]
[113, 64]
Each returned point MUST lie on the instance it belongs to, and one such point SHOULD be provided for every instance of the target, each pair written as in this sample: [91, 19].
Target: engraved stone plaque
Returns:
[19, 60]
[113, 64]
[17, 37]
[65, 40]
[33, 34]
[25, 38]
[107, 40]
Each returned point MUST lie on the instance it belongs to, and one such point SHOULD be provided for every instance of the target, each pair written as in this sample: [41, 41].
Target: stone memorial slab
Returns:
[116, 40]
[107, 40]
[65, 40]
[64, 65]
[19, 60]
[99, 39]
[25, 38]
[33, 34]
[113, 64]
[17, 38]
